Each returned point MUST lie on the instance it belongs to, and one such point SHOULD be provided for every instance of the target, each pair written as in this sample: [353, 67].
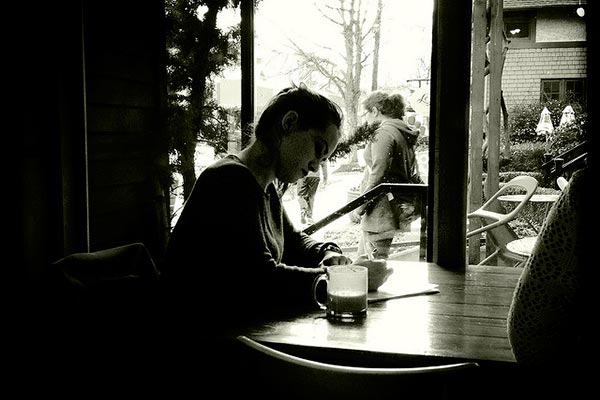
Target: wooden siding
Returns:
[123, 101]
[528, 62]
[525, 68]
[516, 4]
[91, 94]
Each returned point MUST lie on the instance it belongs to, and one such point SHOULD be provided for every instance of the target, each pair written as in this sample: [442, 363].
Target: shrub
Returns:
[526, 156]
[568, 136]
[523, 119]
[504, 177]
[528, 148]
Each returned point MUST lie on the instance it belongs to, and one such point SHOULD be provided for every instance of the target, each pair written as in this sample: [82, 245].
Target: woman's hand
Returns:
[355, 217]
[378, 271]
[333, 258]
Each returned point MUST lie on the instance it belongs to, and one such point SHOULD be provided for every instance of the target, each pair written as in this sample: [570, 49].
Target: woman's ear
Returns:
[289, 121]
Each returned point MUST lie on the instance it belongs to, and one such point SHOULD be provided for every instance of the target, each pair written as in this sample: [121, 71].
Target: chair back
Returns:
[99, 314]
[494, 220]
[90, 269]
[562, 182]
[491, 212]
[273, 372]
[101, 292]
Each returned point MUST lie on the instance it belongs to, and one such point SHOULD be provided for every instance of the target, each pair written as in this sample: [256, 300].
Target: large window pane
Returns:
[302, 41]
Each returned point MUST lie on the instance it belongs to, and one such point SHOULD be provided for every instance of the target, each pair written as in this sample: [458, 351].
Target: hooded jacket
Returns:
[389, 158]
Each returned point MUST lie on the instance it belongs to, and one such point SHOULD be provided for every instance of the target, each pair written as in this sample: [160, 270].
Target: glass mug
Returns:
[347, 288]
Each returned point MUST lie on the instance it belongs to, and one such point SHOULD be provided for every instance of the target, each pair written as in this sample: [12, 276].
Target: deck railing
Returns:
[380, 190]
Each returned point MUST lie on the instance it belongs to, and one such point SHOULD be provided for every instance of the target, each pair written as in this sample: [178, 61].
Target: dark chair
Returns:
[108, 267]
[122, 276]
[562, 182]
[270, 372]
[101, 306]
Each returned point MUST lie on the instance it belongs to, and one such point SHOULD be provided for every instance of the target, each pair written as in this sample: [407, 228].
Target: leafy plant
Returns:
[568, 136]
[197, 52]
[362, 135]
[525, 156]
[524, 118]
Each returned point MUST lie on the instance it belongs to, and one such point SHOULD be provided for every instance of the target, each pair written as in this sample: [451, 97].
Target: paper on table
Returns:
[374, 297]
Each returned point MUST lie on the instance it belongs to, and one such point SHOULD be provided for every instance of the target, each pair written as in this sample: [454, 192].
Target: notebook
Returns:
[388, 294]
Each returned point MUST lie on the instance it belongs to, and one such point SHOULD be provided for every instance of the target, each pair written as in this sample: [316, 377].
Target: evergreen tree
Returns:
[197, 52]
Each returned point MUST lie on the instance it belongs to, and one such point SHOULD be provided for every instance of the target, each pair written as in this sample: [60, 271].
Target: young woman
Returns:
[389, 158]
[233, 246]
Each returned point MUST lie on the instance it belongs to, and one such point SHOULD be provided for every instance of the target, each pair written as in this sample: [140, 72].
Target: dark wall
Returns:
[91, 92]
[125, 89]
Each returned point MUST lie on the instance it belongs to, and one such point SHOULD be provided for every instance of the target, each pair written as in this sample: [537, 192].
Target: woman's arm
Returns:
[382, 151]
[219, 247]
[303, 250]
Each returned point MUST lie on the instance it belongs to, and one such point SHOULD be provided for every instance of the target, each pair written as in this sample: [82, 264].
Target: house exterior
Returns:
[547, 51]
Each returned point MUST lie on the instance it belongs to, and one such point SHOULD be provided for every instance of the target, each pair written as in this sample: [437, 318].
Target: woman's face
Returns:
[302, 151]
[370, 116]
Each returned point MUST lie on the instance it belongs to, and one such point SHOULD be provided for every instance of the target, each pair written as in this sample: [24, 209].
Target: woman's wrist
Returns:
[330, 247]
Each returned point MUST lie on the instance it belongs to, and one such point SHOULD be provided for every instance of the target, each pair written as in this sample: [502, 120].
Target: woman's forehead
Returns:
[330, 134]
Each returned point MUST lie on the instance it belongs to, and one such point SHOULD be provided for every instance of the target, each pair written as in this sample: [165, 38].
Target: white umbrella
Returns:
[568, 116]
[544, 126]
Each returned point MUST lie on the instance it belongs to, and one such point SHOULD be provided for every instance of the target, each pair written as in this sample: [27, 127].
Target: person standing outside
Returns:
[307, 190]
[389, 158]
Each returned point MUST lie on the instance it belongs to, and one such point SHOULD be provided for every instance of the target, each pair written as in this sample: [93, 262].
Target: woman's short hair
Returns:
[315, 111]
[392, 105]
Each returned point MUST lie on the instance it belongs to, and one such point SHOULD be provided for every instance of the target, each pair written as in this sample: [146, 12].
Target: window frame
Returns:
[448, 152]
[562, 89]
[526, 17]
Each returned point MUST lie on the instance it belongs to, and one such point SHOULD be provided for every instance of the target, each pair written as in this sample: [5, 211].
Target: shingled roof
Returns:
[515, 4]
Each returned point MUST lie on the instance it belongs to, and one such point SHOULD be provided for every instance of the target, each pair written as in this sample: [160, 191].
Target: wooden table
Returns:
[466, 320]
[523, 246]
[546, 199]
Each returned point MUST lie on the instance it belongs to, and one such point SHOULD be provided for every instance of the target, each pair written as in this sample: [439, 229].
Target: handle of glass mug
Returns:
[314, 288]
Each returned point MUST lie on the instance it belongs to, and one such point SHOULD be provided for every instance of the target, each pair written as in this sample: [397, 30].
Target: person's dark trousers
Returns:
[307, 188]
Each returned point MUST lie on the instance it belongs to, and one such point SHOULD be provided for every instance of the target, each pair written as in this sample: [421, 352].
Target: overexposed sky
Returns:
[405, 39]
[406, 35]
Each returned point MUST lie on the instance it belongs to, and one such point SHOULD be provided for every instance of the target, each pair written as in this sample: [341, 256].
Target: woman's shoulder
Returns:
[388, 130]
[401, 131]
[228, 169]
[230, 165]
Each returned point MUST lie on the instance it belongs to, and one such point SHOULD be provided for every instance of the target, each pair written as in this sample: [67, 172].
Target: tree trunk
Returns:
[188, 168]
[377, 40]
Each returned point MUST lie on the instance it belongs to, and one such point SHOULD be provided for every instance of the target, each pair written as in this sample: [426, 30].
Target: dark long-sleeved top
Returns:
[234, 242]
